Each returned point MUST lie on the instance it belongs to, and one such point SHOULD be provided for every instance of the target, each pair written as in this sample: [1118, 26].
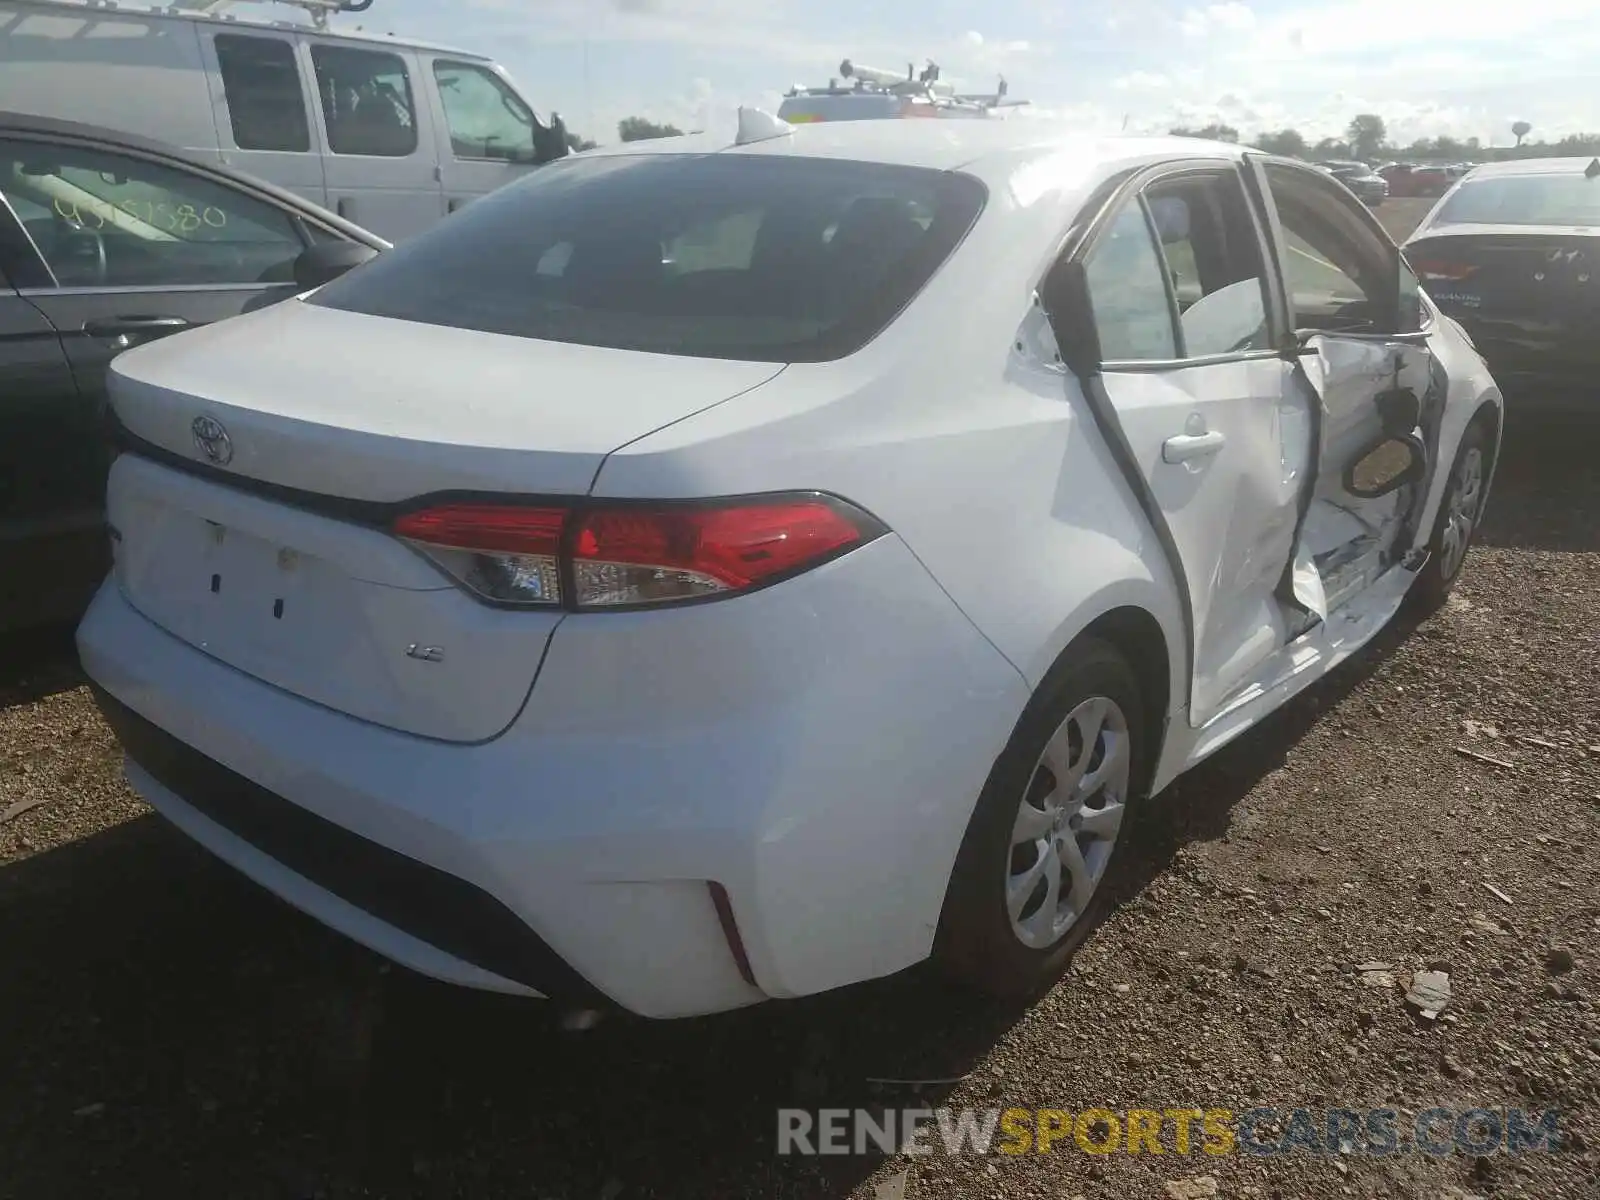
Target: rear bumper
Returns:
[815, 749]
[442, 912]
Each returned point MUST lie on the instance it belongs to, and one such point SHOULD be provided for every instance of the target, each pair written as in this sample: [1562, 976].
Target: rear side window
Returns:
[716, 256]
[1132, 307]
[266, 104]
[366, 101]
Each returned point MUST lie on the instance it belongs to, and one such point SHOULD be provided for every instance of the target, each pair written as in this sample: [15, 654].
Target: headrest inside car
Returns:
[1171, 216]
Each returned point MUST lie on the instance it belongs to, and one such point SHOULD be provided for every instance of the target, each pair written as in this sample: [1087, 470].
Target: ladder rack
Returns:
[924, 86]
[320, 10]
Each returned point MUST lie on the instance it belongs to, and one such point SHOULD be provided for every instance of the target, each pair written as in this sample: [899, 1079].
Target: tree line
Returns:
[1367, 138]
[629, 129]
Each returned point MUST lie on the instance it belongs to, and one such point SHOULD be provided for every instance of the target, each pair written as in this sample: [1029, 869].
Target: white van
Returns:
[390, 133]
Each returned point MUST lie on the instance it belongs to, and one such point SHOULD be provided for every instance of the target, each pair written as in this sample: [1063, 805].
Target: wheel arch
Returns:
[1490, 412]
[1136, 634]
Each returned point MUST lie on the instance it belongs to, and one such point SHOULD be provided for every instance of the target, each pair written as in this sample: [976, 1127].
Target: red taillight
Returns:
[499, 527]
[506, 553]
[646, 555]
[629, 554]
[1440, 269]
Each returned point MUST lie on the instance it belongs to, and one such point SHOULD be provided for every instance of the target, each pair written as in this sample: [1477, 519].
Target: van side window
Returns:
[366, 101]
[486, 118]
[266, 104]
[101, 219]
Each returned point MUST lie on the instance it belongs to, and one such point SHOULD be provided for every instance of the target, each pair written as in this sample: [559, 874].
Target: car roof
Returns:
[30, 123]
[1575, 165]
[944, 145]
[232, 21]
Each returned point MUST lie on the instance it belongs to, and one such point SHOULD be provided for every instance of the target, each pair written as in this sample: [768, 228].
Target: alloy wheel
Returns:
[1067, 822]
[1462, 507]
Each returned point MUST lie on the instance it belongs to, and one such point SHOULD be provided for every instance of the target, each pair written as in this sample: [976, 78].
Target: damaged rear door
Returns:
[1361, 353]
[1188, 387]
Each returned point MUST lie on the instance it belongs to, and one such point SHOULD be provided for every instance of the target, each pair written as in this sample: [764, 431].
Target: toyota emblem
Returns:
[213, 440]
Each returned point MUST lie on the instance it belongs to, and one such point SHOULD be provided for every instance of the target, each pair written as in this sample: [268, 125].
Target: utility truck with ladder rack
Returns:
[870, 93]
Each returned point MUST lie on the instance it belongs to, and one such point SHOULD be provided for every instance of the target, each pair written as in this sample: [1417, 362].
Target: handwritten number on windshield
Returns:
[95, 215]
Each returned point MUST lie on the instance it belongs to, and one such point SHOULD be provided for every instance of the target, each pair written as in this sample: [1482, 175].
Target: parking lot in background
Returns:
[1401, 216]
[172, 1031]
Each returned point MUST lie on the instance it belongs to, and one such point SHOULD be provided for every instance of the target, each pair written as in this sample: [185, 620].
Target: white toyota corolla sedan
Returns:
[705, 573]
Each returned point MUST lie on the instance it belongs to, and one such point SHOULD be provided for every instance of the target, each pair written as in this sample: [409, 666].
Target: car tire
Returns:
[1460, 513]
[1017, 951]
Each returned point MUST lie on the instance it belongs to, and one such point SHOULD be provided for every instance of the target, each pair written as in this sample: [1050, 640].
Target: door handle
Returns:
[456, 203]
[1189, 446]
[115, 327]
[344, 207]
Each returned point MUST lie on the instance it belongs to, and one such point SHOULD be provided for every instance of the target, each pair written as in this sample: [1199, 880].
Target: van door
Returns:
[486, 130]
[260, 89]
[135, 72]
[382, 166]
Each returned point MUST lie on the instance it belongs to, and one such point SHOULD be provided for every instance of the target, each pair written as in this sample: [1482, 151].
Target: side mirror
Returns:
[1388, 465]
[550, 141]
[324, 262]
[1065, 296]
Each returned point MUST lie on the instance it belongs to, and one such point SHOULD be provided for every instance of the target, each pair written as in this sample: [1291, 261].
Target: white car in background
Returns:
[688, 578]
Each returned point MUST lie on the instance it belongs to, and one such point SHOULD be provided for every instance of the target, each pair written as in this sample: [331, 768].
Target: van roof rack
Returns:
[924, 85]
[320, 10]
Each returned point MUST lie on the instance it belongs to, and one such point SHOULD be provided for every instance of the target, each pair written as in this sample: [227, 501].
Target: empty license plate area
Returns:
[236, 595]
[337, 613]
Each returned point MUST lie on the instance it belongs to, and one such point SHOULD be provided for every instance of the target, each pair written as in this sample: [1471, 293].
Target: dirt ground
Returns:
[170, 1031]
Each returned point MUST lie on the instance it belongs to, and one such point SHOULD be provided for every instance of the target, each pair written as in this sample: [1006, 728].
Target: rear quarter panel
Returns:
[956, 428]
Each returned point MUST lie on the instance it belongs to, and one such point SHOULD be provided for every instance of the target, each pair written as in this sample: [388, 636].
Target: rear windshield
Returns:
[755, 257]
[1524, 200]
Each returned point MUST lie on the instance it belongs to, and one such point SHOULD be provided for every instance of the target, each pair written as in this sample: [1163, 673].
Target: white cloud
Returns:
[737, 28]
[1227, 17]
[1141, 81]
[1467, 70]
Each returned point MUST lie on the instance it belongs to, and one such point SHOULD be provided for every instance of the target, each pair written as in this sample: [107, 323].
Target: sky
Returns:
[1428, 68]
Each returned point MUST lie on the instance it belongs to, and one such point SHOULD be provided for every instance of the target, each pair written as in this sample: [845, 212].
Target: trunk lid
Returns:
[370, 408]
[325, 603]
[1545, 280]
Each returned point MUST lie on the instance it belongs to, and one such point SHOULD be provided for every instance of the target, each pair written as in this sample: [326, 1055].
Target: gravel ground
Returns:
[170, 1031]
